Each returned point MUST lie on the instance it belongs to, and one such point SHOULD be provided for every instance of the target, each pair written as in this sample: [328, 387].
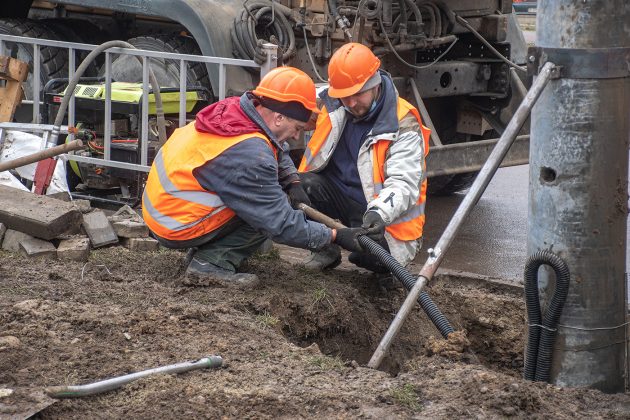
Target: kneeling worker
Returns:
[365, 163]
[221, 183]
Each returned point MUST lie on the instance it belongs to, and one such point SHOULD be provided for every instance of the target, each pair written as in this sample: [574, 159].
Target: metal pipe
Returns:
[436, 255]
[73, 391]
[578, 186]
[424, 112]
[44, 154]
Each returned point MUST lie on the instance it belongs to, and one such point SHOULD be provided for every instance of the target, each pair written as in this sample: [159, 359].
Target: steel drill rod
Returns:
[479, 186]
[73, 391]
[44, 154]
[320, 217]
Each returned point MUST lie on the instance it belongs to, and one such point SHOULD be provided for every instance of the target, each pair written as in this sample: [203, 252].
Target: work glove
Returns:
[347, 238]
[297, 194]
[374, 226]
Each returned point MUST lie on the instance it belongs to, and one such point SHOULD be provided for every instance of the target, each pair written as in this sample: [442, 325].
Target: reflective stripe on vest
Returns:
[174, 205]
[410, 224]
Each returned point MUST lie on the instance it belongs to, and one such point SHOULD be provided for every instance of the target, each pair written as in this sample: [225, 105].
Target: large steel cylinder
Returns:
[578, 197]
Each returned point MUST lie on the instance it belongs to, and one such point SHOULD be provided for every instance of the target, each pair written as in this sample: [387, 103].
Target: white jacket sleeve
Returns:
[404, 172]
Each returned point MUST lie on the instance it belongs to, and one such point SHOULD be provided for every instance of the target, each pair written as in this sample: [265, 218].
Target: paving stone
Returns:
[130, 229]
[75, 249]
[3, 229]
[98, 229]
[12, 238]
[37, 248]
[37, 215]
[141, 244]
[84, 206]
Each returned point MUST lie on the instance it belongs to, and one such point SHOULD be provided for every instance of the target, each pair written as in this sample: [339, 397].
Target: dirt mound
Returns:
[294, 346]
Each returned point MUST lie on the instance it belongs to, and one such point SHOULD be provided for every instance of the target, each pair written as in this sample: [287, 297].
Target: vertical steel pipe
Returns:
[107, 122]
[183, 68]
[579, 187]
[476, 190]
[71, 106]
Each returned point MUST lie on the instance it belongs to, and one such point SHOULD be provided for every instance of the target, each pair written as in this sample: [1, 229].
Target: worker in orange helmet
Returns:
[223, 184]
[365, 163]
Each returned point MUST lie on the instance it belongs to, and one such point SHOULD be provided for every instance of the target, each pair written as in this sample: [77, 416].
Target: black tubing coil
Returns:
[408, 280]
[262, 21]
[542, 331]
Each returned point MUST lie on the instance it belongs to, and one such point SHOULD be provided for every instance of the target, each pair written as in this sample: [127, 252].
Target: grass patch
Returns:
[406, 396]
[326, 362]
[272, 255]
[266, 320]
[321, 295]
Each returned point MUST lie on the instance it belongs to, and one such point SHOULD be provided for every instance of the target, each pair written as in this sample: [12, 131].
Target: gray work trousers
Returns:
[226, 247]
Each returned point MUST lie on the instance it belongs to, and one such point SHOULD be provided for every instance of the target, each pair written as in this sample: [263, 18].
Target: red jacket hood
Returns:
[225, 118]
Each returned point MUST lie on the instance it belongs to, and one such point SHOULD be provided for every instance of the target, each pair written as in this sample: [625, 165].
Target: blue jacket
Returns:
[250, 180]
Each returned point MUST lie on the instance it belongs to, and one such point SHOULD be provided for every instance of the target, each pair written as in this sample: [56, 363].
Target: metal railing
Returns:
[143, 140]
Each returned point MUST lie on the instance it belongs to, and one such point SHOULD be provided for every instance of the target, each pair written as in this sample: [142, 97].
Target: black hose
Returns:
[542, 331]
[245, 40]
[429, 307]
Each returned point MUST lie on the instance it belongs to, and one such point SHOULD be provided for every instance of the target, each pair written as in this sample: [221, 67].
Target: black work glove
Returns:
[347, 238]
[297, 195]
[374, 226]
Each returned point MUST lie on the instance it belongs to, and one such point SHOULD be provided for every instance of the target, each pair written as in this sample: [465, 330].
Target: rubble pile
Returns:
[51, 227]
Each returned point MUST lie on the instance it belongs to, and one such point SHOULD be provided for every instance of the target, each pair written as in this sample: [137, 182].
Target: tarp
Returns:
[18, 144]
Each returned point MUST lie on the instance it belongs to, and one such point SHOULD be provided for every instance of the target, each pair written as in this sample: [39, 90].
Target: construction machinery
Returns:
[459, 61]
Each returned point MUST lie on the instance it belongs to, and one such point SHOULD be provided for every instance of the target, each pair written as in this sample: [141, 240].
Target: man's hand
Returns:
[347, 238]
[374, 226]
[297, 195]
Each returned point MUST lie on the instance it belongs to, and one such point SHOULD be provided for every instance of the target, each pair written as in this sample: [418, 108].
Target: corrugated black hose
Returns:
[542, 332]
[429, 307]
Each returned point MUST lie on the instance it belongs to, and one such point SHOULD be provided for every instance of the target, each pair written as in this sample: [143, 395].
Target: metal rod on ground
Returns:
[44, 154]
[479, 186]
[73, 391]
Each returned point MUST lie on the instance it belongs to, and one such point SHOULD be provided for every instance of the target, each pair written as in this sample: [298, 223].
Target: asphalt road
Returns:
[493, 240]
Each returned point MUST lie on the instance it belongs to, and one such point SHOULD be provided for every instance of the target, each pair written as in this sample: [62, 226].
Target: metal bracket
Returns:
[581, 63]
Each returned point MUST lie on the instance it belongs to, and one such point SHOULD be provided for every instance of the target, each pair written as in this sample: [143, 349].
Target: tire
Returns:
[82, 31]
[53, 60]
[129, 69]
[451, 184]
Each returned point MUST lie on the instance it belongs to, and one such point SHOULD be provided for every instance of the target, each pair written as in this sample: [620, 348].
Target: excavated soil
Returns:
[294, 347]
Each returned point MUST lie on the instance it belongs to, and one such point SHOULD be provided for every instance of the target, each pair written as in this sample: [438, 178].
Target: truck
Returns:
[461, 62]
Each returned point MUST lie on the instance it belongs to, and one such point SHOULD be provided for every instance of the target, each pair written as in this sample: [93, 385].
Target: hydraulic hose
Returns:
[542, 331]
[405, 277]
[79, 72]
[245, 40]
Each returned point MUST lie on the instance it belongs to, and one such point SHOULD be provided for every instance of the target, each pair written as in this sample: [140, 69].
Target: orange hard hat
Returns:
[349, 68]
[288, 84]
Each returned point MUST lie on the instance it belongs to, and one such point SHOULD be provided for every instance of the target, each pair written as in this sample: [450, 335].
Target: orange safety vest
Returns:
[405, 229]
[174, 205]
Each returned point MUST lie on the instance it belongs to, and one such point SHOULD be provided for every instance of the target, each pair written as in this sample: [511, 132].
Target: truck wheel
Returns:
[79, 30]
[128, 68]
[53, 60]
[450, 184]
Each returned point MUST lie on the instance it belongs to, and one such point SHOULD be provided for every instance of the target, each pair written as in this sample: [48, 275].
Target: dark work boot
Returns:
[325, 258]
[203, 273]
[367, 261]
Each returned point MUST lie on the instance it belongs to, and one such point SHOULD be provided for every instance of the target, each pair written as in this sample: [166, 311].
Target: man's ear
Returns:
[278, 118]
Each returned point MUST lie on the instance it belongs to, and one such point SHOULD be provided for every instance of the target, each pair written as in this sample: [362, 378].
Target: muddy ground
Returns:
[294, 347]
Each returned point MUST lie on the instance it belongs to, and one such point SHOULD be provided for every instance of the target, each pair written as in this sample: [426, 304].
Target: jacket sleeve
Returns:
[245, 176]
[404, 172]
[287, 173]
